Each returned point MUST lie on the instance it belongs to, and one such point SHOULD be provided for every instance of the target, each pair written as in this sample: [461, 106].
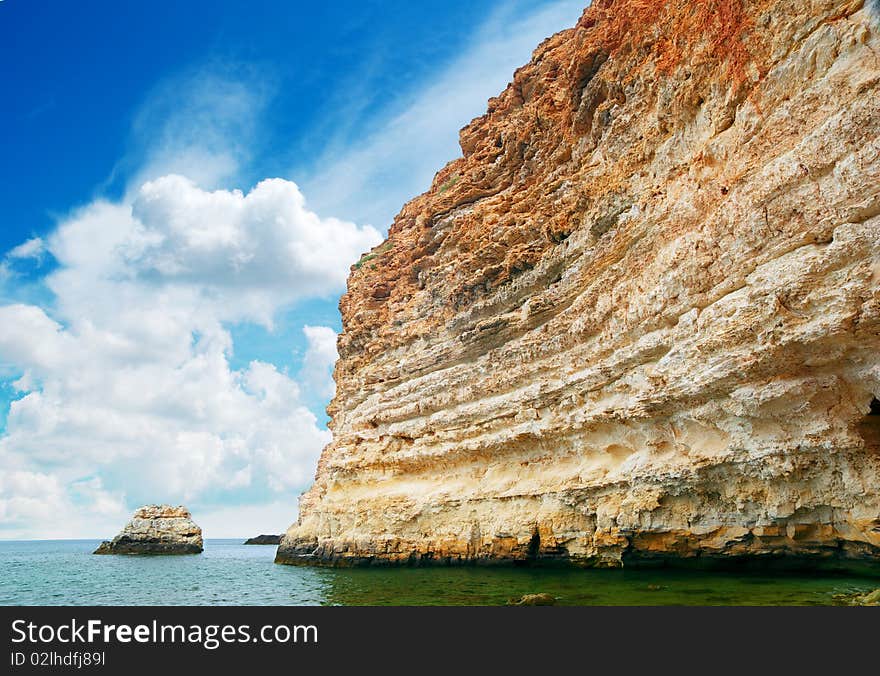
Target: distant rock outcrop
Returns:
[264, 540]
[157, 529]
[638, 319]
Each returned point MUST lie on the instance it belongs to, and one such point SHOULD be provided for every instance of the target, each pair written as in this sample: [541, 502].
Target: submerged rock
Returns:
[534, 600]
[638, 319]
[871, 598]
[156, 529]
[264, 540]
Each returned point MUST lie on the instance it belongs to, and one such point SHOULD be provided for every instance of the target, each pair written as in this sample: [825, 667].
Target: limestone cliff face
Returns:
[640, 317]
[157, 529]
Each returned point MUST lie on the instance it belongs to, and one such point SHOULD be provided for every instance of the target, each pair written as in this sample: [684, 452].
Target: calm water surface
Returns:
[64, 572]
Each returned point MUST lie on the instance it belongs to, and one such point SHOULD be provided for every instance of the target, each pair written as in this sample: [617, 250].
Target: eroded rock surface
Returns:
[157, 529]
[638, 318]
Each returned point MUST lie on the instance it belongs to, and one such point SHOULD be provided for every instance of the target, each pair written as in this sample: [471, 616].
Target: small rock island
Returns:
[264, 540]
[157, 529]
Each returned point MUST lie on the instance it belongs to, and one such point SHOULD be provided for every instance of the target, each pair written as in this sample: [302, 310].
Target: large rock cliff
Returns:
[638, 318]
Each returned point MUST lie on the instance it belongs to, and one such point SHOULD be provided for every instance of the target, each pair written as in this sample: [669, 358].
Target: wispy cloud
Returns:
[32, 248]
[204, 123]
[416, 134]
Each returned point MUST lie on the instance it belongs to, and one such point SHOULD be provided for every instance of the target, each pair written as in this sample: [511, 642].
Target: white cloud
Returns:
[370, 181]
[266, 242]
[130, 375]
[32, 248]
[36, 497]
[29, 250]
[127, 394]
[321, 355]
[201, 123]
[30, 339]
[240, 521]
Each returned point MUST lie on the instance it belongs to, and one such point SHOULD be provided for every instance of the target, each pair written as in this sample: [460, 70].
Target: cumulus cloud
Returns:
[263, 243]
[36, 497]
[128, 387]
[126, 381]
[240, 256]
[28, 498]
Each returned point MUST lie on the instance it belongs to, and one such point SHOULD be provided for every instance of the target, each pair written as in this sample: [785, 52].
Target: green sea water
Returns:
[64, 572]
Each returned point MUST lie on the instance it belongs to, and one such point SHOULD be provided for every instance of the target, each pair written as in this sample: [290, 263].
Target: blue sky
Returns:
[167, 314]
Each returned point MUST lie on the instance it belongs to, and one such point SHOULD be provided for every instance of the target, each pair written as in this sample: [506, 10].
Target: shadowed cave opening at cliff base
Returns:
[534, 547]
[700, 181]
[869, 428]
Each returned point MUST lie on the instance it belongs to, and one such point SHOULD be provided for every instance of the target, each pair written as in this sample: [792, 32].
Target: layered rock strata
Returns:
[639, 317]
[263, 540]
[157, 529]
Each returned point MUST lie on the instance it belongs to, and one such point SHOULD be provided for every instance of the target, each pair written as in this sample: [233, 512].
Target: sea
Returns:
[64, 572]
